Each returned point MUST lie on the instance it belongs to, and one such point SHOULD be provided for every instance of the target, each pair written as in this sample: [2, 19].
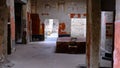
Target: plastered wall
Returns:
[117, 36]
[28, 23]
[3, 30]
[12, 19]
[62, 10]
[107, 31]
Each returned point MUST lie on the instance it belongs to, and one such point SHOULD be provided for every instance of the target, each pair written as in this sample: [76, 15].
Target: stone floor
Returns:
[42, 55]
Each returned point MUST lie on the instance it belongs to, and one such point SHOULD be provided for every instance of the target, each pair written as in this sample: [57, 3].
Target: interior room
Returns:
[69, 18]
[55, 35]
[58, 34]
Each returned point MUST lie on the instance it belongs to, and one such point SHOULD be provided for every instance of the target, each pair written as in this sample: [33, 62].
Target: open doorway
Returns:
[8, 39]
[18, 22]
[51, 29]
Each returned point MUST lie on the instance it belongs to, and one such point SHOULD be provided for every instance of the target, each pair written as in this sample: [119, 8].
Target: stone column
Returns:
[26, 8]
[12, 22]
[3, 30]
[117, 37]
[28, 24]
[24, 23]
[93, 33]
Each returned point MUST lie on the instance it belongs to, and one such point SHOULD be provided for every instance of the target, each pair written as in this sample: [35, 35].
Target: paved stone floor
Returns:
[42, 55]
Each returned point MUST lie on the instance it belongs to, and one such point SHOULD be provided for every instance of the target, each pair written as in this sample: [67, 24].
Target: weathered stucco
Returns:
[117, 45]
[28, 21]
[63, 10]
[117, 37]
[93, 33]
[12, 19]
[3, 30]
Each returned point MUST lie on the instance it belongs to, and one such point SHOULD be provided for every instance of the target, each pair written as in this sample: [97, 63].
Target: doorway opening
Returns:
[9, 39]
[51, 29]
[18, 22]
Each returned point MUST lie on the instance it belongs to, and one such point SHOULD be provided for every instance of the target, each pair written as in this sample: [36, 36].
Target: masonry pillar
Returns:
[28, 24]
[24, 22]
[3, 30]
[12, 22]
[93, 33]
[26, 18]
[116, 58]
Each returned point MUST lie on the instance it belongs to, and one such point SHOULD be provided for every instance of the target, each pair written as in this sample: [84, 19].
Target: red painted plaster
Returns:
[62, 27]
[12, 28]
[12, 19]
[117, 46]
[79, 15]
[72, 15]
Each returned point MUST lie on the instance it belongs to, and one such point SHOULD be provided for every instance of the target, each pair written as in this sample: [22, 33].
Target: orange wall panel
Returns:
[41, 29]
